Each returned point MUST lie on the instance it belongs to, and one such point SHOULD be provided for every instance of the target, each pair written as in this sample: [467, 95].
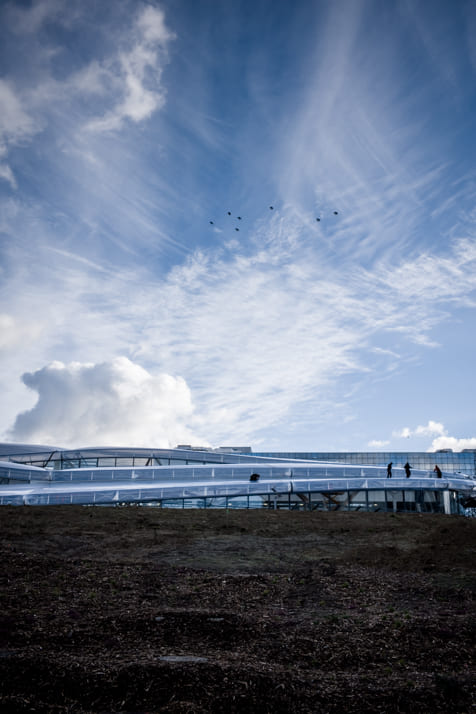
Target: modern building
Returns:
[234, 477]
[447, 460]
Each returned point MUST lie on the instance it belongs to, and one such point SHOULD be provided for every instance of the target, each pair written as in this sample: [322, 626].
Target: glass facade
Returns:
[180, 478]
[462, 461]
[96, 457]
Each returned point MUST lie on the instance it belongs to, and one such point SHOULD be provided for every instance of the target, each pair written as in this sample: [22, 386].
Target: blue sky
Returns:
[128, 318]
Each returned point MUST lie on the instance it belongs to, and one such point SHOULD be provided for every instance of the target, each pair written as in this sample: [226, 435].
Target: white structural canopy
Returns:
[200, 478]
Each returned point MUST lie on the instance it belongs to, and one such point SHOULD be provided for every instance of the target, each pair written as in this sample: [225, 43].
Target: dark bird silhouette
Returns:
[271, 208]
[318, 219]
[336, 213]
[237, 229]
[229, 213]
[211, 223]
[239, 218]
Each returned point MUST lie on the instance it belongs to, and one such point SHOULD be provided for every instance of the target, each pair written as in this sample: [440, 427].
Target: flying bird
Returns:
[271, 208]
[336, 213]
[239, 218]
[229, 213]
[237, 229]
[318, 219]
[211, 223]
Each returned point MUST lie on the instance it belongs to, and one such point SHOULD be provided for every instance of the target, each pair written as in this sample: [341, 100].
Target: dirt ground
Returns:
[148, 610]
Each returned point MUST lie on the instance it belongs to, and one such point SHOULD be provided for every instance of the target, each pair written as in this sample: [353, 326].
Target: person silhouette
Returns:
[407, 468]
[389, 470]
[437, 470]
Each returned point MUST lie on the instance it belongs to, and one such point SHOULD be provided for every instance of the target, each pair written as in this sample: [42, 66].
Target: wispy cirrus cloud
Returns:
[359, 138]
[29, 19]
[257, 337]
[269, 326]
[73, 126]
[134, 75]
[124, 84]
[16, 126]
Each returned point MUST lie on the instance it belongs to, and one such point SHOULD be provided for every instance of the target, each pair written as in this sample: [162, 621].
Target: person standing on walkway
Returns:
[437, 470]
[407, 468]
[389, 470]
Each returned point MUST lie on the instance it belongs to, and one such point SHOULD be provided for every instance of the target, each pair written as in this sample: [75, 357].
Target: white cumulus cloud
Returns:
[451, 442]
[442, 440]
[116, 402]
[404, 433]
[377, 443]
[431, 429]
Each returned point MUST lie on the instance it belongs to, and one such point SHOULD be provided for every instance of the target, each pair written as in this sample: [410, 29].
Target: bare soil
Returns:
[149, 610]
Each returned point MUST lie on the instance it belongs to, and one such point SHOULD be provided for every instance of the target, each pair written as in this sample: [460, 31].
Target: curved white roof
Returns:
[29, 485]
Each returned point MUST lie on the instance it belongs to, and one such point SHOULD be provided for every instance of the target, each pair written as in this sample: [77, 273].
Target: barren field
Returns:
[149, 610]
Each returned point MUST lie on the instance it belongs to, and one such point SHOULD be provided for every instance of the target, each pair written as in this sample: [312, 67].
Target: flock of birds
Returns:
[271, 208]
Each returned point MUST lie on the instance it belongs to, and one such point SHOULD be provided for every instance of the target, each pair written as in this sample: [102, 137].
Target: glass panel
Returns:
[71, 464]
[81, 497]
[40, 500]
[98, 496]
[172, 503]
[318, 502]
[358, 496]
[377, 501]
[87, 463]
[11, 500]
[124, 461]
[338, 501]
[106, 461]
[242, 502]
